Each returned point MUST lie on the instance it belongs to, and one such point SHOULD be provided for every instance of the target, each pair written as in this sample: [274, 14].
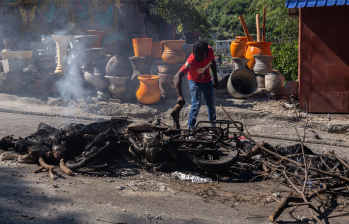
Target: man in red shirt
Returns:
[198, 69]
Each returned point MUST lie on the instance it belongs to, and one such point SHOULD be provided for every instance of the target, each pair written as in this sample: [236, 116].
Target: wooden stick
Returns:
[263, 25]
[258, 28]
[64, 168]
[245, 27]
[340, 160]
[283, 157]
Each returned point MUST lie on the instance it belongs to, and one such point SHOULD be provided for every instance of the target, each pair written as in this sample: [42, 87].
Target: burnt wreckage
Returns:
[151, 144]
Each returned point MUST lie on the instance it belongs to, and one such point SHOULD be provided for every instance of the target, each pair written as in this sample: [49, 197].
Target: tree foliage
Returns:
[182, 13]
[220, 18]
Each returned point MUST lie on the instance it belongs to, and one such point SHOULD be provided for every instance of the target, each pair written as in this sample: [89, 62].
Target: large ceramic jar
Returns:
[254, 48]
[173, 53]
[148, 91]
[238, 48]
[263, 64]
[142, 47]
[166, 82]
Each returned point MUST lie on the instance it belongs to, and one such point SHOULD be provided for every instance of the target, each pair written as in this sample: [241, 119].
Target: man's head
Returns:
[200, 50]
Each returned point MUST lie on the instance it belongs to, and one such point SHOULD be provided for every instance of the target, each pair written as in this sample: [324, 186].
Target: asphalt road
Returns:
[142, 197]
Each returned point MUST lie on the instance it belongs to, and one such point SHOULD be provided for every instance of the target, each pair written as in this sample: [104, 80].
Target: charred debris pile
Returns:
[309, 175]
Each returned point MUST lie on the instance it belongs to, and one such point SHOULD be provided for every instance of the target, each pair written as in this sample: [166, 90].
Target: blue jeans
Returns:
[196, 88]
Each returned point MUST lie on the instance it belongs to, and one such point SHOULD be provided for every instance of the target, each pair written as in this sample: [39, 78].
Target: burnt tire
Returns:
[225, 161]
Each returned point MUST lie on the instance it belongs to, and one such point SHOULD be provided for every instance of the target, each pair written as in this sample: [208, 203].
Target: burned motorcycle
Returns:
[206, 147]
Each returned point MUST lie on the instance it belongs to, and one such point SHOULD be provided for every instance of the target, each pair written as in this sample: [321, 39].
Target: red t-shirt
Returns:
[199, 71]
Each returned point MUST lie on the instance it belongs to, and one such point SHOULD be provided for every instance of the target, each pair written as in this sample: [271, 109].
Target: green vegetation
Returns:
[220, 18]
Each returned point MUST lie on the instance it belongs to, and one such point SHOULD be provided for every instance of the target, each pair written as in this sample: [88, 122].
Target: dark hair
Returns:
[202, 46]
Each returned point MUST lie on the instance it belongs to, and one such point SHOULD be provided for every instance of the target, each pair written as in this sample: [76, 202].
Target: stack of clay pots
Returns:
[174, 58]
[46, 61]
[242, 82]
[16, 65]
[84, 58]
[143, 86]
[118, 70]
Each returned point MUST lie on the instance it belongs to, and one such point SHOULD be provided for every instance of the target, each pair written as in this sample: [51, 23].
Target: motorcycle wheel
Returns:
[227, 157]
[89, 156]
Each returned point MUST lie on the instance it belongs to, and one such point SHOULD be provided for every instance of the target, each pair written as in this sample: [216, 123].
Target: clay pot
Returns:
[191, 37]
[242, 83]
[142, 47]
[83, 41]
[100, 66]
[117, 87]
[141, 65]
[119, 66]
[187, 49]
[173, 53]
[62, 45]
[240, 63]
[166, 82]
[148, 91]
[263, 64]
[292, 87]
[156, 50]
[255, 48]
[261, 81]
[95, 81]
[238, 49]
[100, 34]
[274, 83]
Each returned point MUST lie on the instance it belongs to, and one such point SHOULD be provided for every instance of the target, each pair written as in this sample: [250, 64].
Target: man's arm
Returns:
[178, 85]
[214, 71]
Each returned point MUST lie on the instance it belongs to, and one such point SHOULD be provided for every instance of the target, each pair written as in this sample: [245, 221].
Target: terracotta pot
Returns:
[263, 64]
[191, 37]
[148, 91]
[173, 53]
[100, 34]
[119, 66]
[142, 47]
[238, 48]
[156, 50]
[254, 48]
[292, 87]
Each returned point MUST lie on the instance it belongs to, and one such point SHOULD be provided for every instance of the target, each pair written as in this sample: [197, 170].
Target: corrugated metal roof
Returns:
[316, 3]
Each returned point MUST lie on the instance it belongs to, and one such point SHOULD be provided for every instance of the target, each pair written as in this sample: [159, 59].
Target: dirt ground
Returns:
[133, 194]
